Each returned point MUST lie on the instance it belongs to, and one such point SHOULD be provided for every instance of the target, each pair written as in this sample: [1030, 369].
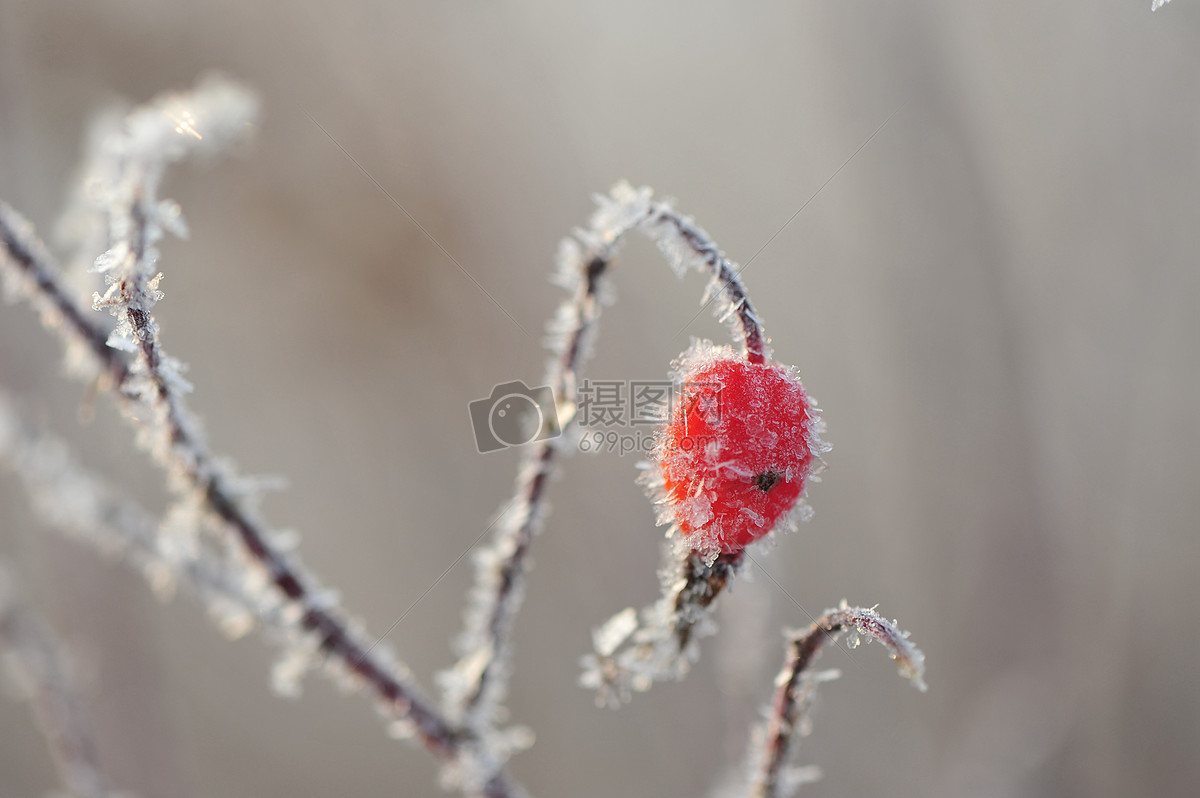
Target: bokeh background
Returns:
[996, 301]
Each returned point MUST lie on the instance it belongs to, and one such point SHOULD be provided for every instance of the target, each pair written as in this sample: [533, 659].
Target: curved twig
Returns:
[796, 683]
[477, 684]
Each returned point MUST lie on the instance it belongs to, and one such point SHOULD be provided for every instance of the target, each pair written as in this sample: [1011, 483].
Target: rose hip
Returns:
[738, 450]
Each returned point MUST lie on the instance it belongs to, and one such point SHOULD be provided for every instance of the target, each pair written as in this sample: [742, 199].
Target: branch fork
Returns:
[215, 542]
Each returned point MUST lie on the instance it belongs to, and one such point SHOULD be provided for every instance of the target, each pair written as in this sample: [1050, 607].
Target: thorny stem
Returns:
[188, 457]
[793, 694]
[583, 311]
[38, 654]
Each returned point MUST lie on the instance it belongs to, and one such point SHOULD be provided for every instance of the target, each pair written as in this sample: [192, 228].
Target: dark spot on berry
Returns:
[766, 480]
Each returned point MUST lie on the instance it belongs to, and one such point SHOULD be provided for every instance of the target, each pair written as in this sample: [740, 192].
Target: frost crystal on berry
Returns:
[740, 448]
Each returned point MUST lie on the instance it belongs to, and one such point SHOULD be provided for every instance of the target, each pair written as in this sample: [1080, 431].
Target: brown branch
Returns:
[187, 458]
[35, 273]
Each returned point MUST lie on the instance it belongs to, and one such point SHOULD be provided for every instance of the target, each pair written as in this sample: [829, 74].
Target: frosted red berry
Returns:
[738, 450]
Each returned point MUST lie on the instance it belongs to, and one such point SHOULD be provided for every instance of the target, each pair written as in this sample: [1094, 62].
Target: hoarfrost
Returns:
[170, 216]
[616, 631]
[796, 776]
[403, 729]
[796, 685]
[665, 639]
[632, 651]
[124, 170]
[229, 554]
[232, 618]
[27, 271]
[84, 508]
[288, 672]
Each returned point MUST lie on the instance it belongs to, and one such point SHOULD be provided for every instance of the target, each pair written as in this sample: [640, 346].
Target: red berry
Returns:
[738, 450]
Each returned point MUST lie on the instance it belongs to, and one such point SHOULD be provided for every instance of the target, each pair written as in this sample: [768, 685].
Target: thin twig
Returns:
[727, 277]
[630, 653]
[702, 582]
[80, 505]
[34, 275]
[149, 391]
[524, 516]
[40, 666]
[190, 460]
[796, 683]
[476, 686]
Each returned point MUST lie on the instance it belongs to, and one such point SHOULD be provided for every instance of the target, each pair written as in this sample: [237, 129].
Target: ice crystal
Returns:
[125, 172]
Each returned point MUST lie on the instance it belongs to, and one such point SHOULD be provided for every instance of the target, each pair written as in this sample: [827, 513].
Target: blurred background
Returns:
[996, 301]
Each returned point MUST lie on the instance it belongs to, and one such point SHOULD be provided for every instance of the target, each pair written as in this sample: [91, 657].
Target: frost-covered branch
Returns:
[476, 686]
[154, 136]
[78, 504]
[29, 272]
[37, 664]
[125, 175]
[796, 684]
[631, 654]
[214, 541]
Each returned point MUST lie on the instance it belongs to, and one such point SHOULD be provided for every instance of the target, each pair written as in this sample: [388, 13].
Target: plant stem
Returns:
[795, 685]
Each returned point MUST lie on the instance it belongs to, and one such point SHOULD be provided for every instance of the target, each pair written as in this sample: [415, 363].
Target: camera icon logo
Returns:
[514, 415]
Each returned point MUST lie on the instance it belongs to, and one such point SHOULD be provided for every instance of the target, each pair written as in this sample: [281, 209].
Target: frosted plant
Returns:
[215, 508]
[81, 506]
[632, 651]
[724, 474]
[743, 478]
[34, 666]
[476, 685]
[769, 775]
